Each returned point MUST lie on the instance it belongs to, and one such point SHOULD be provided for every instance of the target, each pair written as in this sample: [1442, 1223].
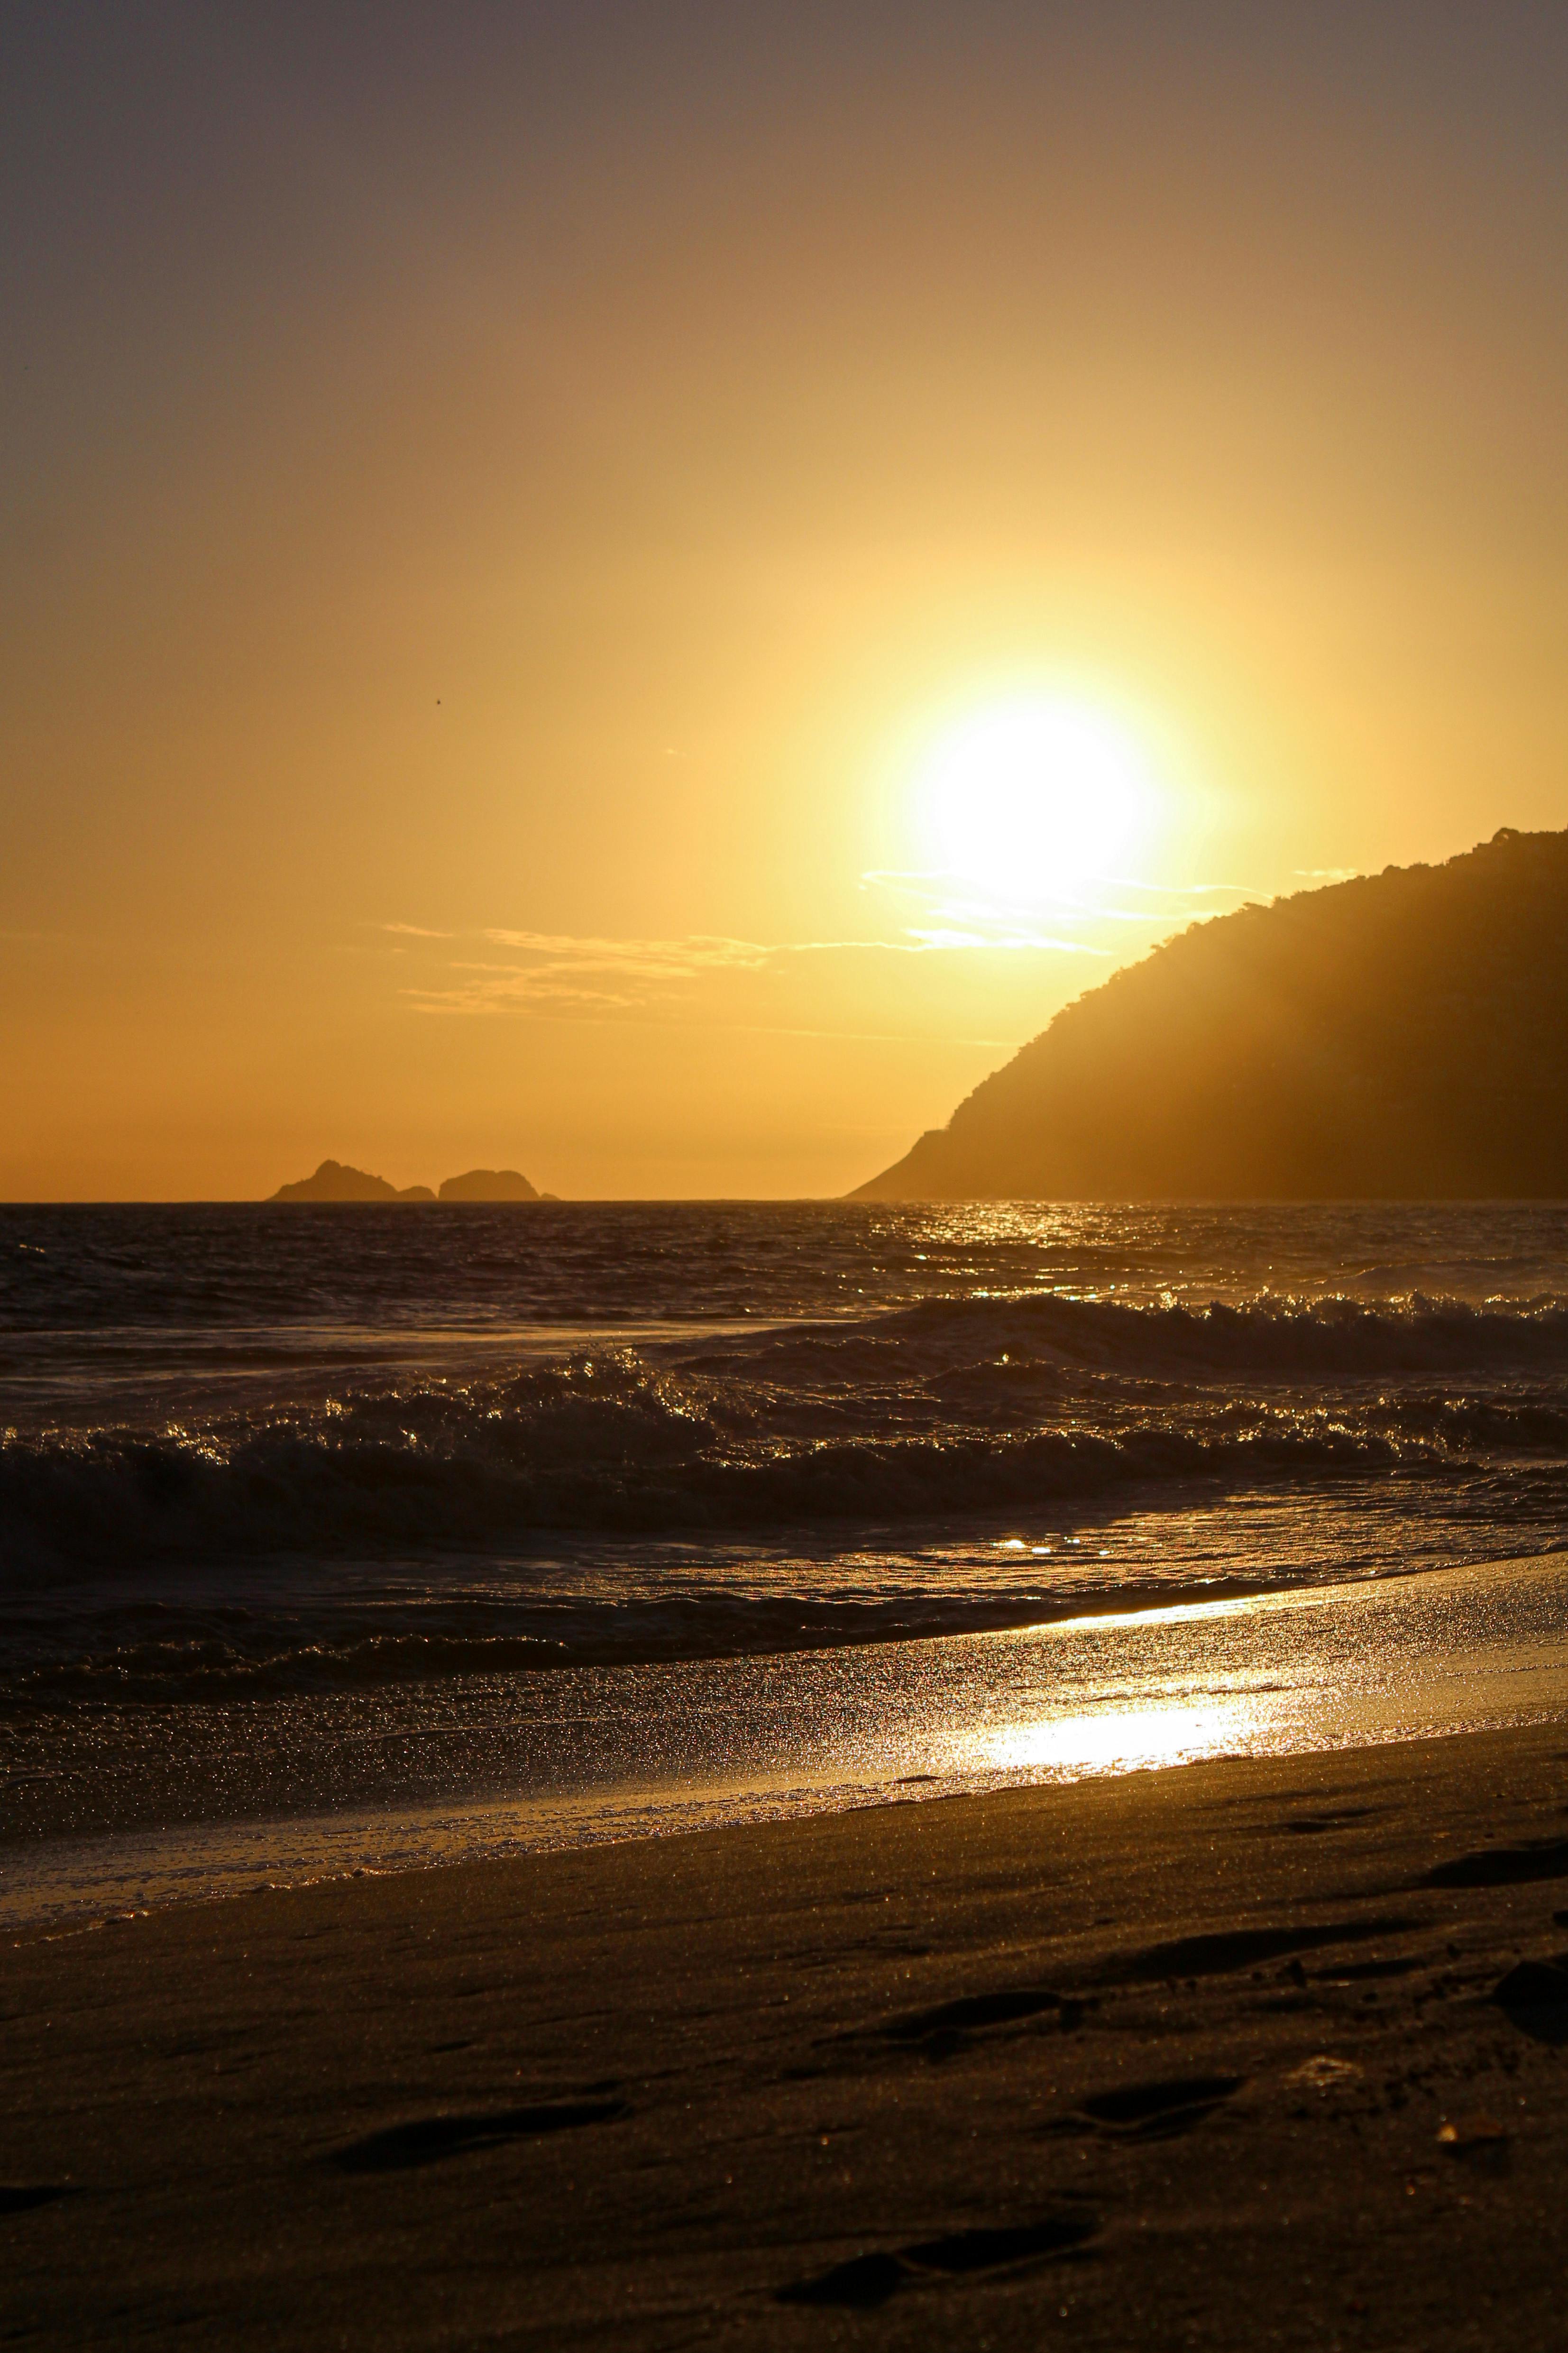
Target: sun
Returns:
[1032, 796]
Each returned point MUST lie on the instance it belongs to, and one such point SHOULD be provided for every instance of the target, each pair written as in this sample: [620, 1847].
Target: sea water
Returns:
[602, 1514]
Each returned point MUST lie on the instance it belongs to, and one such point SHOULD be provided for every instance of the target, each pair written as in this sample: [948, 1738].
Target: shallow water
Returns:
[514, 1765]
[282, 1490]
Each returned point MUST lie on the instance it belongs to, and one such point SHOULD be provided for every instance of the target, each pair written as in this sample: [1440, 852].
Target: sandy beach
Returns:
[1246, 2053]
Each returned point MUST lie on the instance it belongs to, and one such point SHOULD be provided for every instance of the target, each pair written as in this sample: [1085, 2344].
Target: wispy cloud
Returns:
[563, 973]
[649, 961]
[567, 975]
[1009, 942]
[1197, 892]
[585, 977]
[1056, 919]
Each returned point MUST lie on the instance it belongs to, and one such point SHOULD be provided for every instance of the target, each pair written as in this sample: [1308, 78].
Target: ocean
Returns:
[309, 1513]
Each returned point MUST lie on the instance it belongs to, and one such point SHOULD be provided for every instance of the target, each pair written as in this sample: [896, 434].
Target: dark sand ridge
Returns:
[1211, 2056]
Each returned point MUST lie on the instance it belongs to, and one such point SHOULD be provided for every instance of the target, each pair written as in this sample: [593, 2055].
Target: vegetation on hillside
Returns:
[1401, 1036]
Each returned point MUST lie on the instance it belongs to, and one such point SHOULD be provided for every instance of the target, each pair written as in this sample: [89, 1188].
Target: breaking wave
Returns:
[944, 1408]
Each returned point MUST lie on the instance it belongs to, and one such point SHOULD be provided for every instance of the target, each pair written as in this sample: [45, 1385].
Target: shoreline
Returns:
[512, 1765]
[1211, 2055]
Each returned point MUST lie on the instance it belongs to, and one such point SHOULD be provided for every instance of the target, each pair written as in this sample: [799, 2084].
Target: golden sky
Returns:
[523, 521]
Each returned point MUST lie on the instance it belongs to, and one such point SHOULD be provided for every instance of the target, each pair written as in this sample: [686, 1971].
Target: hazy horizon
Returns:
[544, 540]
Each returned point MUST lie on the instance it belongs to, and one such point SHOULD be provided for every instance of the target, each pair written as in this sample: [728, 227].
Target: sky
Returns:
[642, 592]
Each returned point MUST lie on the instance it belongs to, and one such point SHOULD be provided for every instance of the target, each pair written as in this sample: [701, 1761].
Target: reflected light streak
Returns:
[1112, 1740]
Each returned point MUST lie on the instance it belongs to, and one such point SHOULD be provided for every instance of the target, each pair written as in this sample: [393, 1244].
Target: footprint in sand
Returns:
[425, 2140]
[1005, 2007]
[1159, 2111]
[1503, 1866]
[1244, 1949]
[21, 2196]
[869, 2279]
[948, 2027]
[1534, 1997]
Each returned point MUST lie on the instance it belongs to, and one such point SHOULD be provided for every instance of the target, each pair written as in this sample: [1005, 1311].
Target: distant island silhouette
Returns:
[333, 1181]
[490, 1185]
[1403, 1036]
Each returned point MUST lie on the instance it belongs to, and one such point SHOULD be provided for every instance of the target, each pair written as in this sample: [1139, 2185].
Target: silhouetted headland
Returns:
[333, 1181]
[1403, 1036]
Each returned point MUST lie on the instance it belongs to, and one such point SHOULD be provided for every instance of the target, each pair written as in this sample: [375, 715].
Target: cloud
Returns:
[562, 973]
[681, 959]
[995, 921]
[1008, 942]
[585, 976]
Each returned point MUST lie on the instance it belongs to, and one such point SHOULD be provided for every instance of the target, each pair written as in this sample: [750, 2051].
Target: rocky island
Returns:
[334, 1181]
[1401, 1036]
[488, 1185]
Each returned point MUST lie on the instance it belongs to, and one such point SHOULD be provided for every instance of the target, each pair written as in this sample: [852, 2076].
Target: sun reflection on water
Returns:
[1109, 1740]
[1201, 1701]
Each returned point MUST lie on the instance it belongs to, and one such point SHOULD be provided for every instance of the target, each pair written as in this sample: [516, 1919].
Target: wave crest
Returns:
[947, 1407]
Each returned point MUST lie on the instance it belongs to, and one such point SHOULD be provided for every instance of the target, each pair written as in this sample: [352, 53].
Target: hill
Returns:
[1403, 1036]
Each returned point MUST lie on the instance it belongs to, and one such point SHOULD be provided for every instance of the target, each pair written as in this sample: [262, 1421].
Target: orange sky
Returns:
[500, 501]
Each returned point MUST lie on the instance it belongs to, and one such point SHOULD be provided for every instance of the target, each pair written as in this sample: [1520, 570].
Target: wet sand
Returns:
[1256, 2051]
[108, 1808]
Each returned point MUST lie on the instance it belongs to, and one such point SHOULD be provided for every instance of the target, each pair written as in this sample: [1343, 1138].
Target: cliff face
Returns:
[1402, 1036]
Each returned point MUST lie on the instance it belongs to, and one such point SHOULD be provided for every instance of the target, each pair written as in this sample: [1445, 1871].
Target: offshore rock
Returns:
[336, 1181]
[490, 1185]
[333, 1181]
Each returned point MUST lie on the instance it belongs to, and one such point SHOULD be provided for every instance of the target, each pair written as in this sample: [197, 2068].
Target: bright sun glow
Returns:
[1033, 795]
